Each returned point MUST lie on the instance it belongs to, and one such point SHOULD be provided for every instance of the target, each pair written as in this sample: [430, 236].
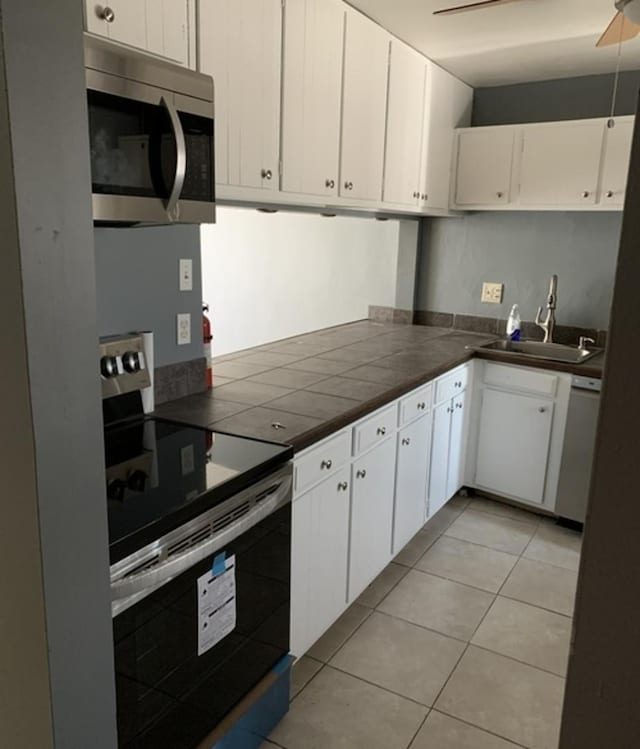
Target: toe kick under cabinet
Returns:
[361, 495]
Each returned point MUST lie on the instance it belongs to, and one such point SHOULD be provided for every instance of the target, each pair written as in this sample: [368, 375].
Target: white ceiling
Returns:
[528, 40]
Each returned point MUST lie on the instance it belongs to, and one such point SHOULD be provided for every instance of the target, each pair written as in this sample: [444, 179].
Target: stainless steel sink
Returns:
[537, 350]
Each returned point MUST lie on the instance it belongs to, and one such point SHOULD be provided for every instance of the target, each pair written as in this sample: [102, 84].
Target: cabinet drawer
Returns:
[524, 380]
[375, 429]
[451, 385]
[415, 404]
[321, 461]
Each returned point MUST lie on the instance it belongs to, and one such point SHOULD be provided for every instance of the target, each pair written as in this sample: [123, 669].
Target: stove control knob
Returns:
[108, 366]
[137, 481]
[131, 362]
[115, 489]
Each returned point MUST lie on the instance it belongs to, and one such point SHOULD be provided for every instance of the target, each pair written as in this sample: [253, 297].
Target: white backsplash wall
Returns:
[270, 276]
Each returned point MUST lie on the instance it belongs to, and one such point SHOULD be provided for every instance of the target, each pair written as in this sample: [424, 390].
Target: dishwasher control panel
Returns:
[586, 383]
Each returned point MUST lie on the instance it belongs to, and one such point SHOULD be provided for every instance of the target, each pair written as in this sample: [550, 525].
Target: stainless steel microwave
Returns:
[151, 130]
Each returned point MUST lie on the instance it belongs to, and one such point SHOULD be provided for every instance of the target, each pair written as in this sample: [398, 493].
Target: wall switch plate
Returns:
[186, 274]
[184, 329]
[492, 293]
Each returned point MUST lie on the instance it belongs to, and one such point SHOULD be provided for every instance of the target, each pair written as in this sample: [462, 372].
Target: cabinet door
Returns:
[312, 96]
[364, 108]
[371, 515]
[301, 535]
[615, 165]
[128, 24]
[440, 438]
[405, 112]
[560, 164]
[240, 46]
[412, 467]
[168, 29]
[455, 469]
[448, 104]
[513, 444]
[484, 163]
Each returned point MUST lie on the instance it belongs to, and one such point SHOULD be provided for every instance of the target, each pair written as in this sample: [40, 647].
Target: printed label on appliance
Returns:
[216, 606]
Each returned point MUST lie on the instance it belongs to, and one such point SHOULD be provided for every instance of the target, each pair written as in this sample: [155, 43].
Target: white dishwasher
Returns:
[578, 449]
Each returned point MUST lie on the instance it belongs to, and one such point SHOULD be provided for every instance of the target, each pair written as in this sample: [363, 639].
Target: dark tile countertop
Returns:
[303, 389]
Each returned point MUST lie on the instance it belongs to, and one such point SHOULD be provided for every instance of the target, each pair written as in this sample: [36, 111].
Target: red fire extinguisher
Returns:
[207, 337]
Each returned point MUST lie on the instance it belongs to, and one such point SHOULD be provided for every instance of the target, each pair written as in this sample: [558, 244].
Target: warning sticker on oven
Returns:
[216, 603]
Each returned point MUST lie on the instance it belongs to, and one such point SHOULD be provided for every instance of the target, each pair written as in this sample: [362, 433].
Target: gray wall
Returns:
[521, 250]
[62, 428]
[564, 99]
[137, 286]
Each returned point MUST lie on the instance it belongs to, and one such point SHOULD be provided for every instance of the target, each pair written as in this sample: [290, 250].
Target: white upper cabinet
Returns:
[560, 163]
[364, 108]
[448, 104]
[240, 46]
[161, 27]
[615, 164]
[405, 118]
[312, 96]
[484, 165]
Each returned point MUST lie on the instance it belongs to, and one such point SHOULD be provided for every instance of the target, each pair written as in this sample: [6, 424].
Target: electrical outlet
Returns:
[186, 274]
[492, 293]
[184, 329]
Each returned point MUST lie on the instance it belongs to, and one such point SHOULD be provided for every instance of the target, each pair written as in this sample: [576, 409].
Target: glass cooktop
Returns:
[161, 474]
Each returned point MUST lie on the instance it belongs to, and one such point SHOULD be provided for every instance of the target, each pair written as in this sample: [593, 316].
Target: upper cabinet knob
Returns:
[330, 183]
[500, 194]
[107, 14]
[348, 185]
[424, 196]
[267, 174]
[609, 193]
[586, 194]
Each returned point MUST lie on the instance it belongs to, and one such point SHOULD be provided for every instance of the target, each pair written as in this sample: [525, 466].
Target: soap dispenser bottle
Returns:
[514, 323]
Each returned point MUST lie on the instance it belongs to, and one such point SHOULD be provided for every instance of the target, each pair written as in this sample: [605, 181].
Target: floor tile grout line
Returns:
[473, 725]
[420, 727]
[517, 660]
[457, 582]
[534, 605]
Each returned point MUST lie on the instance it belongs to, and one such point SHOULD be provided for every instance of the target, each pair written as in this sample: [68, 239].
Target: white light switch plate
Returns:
[184, 329]
[492, 293]
[186, 274]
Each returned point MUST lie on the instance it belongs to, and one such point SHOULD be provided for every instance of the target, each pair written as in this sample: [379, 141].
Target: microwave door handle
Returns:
[181, 156]
[166, 571]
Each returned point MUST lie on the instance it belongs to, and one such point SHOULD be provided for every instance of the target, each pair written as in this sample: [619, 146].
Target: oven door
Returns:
[152, 153]
[175, 679]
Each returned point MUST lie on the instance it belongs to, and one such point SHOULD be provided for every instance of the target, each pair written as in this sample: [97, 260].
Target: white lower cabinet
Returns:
[455, 468]
[373, 477]
[412, 469]
[319, 559]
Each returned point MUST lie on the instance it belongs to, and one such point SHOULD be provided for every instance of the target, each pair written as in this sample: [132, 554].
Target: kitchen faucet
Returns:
[550, 323]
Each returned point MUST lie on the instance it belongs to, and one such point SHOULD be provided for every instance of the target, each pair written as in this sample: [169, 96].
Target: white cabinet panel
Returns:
[455, 473]
[373, 478]
[560, 163]
[412, 468]
[312, 95]
[128, 24]
[448, 103]
[364, 108]
[240, 46]
[439, 476]
[484, 164]
[405, 117]
[615, 165]
[319, 559]
[168, 29]
[513, 444]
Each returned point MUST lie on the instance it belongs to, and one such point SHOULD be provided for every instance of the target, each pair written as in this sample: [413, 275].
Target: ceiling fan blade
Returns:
[471, 6]
[621, 29]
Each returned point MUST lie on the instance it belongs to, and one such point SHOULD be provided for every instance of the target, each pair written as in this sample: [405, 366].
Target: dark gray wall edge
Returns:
[50, 150]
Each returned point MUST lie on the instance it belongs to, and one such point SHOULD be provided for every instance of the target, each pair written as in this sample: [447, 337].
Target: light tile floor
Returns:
[461, 643]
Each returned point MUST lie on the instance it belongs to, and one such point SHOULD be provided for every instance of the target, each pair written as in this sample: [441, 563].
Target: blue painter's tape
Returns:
[283, 664]
[219, 564]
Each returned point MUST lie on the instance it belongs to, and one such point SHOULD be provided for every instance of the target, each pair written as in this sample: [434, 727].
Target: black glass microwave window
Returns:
[133, 149]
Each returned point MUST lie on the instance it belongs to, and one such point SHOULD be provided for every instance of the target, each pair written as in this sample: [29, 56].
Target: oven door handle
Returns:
[181, 158]
[166, 571]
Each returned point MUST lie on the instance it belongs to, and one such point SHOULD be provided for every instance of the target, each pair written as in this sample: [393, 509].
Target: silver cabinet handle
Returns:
[500, 194]
[422, 406]
[330, 183]
[382, 431]
[348, 185]
[343, 486]
[181, 158]
[424, 196]
[361, 474]
[586, 194]
[449, 410]
[107, 14]
[458, 405]
[326, 464]
[542, 410]
[266, 174]
[406, 441]
[609, 193]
